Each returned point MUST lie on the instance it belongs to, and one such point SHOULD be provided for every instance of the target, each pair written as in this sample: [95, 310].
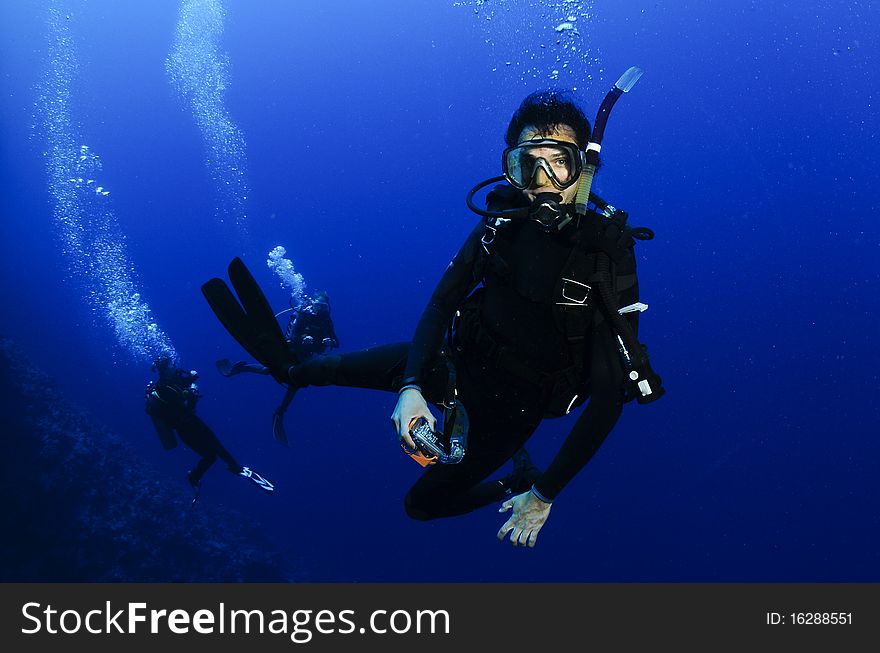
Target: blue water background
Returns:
[750, 146]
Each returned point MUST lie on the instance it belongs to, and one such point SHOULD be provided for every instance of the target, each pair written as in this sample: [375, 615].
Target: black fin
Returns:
[278, 431]
[251, 322]
[254, 301]
[231, 315]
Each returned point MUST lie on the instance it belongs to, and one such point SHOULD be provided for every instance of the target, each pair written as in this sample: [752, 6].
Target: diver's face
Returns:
[541, 182]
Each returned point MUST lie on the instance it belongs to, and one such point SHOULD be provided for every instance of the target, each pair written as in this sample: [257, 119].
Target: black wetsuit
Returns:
[513, 365]
[171, 404]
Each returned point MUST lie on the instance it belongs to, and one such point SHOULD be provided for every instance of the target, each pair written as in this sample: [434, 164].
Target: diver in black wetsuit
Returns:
[309, 332]
[171, 404]
[310, 329]
[543, 302]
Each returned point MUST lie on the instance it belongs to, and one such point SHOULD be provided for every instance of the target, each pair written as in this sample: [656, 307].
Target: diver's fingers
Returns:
[516, 535]
[401, 434]
[507, 505]
[504, 529]
[405, 430]
[533, 537]
[404, 436]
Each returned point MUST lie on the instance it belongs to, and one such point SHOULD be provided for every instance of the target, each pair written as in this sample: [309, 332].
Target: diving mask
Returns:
[560, 161]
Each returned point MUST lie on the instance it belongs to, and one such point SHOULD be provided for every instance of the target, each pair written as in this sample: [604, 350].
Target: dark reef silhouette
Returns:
[80, 506]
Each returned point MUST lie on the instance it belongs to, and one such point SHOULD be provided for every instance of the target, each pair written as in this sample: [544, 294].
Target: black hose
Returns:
[643, 383]
[620, 323]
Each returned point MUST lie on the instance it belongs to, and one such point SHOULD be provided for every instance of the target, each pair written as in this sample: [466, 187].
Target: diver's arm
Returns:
[332, 335]
[607, 397]
[455, 284]
[457, 281]
[326, 330]
[588, 434]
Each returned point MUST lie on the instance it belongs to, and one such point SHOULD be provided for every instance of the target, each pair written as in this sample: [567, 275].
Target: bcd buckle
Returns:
[574, 293]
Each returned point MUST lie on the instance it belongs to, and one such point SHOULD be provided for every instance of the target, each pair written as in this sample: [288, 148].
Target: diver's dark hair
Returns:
[545, 110]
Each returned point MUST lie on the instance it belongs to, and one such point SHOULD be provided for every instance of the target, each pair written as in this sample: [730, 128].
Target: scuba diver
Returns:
[171, 404]
[309, 332]
[536, 314]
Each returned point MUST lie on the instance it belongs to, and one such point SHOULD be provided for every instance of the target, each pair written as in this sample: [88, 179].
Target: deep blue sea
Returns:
[349, 133]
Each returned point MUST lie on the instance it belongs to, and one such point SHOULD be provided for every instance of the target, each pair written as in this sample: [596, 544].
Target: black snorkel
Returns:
[621, 86]
[642, 382]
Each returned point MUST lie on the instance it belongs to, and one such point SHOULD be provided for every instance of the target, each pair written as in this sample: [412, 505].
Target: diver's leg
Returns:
[165, 432]
[231, 463]
[253, 368]
[204, 464]
[376, 368]
[450, 490]
[199, 437]
[501, 420]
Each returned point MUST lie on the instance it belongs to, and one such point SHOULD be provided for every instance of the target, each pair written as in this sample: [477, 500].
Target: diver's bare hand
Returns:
[410, 406]
[529, 515]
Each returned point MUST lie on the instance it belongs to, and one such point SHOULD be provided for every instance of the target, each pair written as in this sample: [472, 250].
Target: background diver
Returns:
[171, 404]
[536, 313]
[309, 332]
